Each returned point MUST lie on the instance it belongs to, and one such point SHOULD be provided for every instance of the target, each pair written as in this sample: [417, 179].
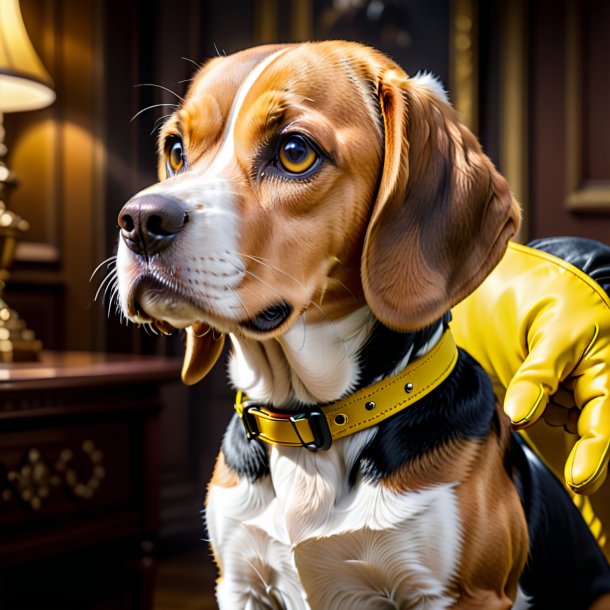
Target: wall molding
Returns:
[514, 145]
[582, 196]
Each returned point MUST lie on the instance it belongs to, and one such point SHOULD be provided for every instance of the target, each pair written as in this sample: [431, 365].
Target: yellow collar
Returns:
[317, 428]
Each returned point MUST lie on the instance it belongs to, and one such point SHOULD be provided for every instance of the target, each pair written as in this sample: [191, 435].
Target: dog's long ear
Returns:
[203, 348]
[443, 214]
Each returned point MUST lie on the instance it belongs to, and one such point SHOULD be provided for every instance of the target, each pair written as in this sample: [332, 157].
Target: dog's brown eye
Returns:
[175, 156]
[296, 155]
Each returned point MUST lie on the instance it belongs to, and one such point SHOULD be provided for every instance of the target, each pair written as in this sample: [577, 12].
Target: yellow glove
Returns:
[535, 323]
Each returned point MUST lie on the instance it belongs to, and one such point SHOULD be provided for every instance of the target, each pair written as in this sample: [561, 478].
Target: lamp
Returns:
[24, 85]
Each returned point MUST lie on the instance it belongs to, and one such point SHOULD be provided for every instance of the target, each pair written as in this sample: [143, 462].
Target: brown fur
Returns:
[495, 540]
[223, 476]
[441, 206]
[494, 549]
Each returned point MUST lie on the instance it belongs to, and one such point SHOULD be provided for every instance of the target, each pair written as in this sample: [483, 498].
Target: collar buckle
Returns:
[316, 420]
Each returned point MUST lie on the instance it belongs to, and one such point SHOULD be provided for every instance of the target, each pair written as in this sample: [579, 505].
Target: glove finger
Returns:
[587, 465]
[525, 401]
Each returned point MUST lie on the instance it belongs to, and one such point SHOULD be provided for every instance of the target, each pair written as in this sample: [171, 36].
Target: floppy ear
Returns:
[203, 349]
[443, 214]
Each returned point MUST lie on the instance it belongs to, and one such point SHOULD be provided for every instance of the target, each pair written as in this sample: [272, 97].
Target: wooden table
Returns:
[79, 480]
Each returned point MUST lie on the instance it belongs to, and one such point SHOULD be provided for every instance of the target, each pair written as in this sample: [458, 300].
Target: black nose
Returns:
[149, 223]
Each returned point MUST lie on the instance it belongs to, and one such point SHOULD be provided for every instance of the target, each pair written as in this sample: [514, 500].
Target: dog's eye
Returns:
[296, 155]
[175, 156]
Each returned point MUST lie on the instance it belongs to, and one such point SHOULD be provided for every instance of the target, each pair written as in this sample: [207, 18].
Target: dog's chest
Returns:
[303, 539]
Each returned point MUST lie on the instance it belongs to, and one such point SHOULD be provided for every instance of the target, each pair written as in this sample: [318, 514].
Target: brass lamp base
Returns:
[17, 341]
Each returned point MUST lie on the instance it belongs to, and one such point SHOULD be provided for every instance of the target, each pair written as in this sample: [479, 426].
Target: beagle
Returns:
[325, 211]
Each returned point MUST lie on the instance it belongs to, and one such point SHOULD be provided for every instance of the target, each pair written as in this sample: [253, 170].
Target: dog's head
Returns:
[309, 180]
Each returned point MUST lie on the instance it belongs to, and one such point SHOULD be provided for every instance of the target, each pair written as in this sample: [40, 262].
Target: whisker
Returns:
[332, 324]
[192, 61]
[109, 261]
[155, 126]
[110, 286]
[219, 53]
[258, 279]
[161, 87]
[137, 114]
[267, 264]
[248, 314]
[346, 288]
[113, 296]
[108, 280]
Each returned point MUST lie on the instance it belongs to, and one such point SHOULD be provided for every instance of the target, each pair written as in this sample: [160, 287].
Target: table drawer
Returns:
[64, 471]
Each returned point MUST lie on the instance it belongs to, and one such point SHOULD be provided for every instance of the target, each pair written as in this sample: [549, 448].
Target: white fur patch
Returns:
[226, 153]
[260, 573]
[311, 363]
[399, 548]
[372, 569]
[432, 84]
[522, 601]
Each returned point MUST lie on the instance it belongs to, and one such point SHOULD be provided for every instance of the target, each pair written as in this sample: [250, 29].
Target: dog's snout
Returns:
[149, 223]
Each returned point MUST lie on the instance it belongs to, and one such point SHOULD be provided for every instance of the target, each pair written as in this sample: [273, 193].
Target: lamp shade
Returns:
[24, 82]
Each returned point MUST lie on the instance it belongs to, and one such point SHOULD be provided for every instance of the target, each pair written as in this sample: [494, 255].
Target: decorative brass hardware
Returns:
[34, 481]
[87, 489]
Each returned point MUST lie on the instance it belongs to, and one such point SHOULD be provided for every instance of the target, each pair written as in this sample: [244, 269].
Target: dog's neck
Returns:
[323, 362]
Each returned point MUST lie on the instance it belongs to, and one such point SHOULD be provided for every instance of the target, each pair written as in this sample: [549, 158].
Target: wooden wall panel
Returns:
[569, 171]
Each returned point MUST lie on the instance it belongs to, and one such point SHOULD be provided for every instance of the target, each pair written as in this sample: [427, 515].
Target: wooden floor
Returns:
[186, 582]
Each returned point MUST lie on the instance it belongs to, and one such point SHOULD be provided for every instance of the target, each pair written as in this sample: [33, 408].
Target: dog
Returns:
[325, 211]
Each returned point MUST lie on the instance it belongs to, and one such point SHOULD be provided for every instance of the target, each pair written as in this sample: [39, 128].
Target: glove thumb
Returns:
[525, 401]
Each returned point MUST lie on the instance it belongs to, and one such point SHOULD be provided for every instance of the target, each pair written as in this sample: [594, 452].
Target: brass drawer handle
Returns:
[32, 483]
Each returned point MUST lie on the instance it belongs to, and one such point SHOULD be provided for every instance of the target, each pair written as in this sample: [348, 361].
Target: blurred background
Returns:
[531, 78]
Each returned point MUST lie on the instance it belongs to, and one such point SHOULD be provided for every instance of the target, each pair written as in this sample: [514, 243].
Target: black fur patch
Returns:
[385, 348]
[463, 407]
[247, 457]
[560, 541]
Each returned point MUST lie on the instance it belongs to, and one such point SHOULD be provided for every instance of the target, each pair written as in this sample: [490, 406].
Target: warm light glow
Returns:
[24, 82]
